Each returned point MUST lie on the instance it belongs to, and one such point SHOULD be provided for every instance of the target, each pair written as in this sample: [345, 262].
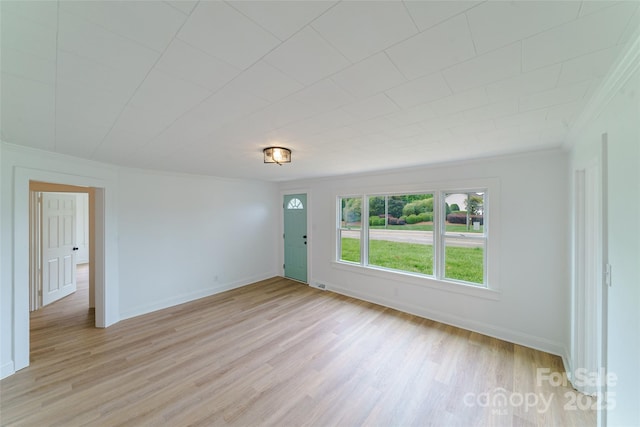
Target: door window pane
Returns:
[295, 203]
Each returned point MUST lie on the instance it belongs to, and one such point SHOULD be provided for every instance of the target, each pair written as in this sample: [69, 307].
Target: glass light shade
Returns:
[277, 155]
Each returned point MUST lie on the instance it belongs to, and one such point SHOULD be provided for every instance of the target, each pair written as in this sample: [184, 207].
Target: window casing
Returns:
[427, 240]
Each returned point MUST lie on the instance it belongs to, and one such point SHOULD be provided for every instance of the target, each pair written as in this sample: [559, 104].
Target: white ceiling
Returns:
[202, 87]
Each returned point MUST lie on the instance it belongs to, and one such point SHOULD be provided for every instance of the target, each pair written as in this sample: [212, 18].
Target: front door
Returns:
[58, 246]
[295, 237]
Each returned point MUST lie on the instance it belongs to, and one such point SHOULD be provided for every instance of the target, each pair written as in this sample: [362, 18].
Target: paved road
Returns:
[415, 236]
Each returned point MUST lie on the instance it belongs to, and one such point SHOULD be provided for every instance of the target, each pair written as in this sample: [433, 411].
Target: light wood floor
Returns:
[275, 353]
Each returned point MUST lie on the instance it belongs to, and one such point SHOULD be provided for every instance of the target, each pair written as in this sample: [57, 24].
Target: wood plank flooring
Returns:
[276, 353]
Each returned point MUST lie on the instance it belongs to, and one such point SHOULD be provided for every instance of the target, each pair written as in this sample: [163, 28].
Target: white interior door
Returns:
[58, 246]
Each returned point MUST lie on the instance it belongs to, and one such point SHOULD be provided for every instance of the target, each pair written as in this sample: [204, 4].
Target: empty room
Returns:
[320, 213]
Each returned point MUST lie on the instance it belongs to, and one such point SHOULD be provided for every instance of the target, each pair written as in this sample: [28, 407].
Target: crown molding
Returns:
[619, 74]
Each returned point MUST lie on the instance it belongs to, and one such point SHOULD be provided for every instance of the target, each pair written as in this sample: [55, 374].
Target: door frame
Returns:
[35, 237]
[309, 232]
[590, 284]
[106, 295]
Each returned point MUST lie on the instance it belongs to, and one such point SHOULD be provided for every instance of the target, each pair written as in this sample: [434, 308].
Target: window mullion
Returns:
[364, 231]
[438, 220]
[339, 229]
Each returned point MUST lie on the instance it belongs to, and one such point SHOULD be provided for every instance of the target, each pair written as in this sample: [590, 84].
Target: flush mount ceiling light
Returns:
[277, 155]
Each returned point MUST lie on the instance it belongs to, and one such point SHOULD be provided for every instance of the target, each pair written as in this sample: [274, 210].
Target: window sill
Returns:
[420, 280]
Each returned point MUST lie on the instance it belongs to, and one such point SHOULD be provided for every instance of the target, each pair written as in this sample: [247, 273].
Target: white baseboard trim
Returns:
[567, 362]
[7, 369]
[516, 337]
[579, 383]
[192, 296]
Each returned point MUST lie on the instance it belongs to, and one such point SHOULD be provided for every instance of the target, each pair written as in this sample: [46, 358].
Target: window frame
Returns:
[489, 289]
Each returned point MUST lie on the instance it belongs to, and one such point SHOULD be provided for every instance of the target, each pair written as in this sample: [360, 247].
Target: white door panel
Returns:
[58, 246]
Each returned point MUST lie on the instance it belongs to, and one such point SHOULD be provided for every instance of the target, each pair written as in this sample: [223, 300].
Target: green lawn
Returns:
[460, 263]
[350, 249]
[464, 264]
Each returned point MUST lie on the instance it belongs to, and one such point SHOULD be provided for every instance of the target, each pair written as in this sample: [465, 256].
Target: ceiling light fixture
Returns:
[277, 155]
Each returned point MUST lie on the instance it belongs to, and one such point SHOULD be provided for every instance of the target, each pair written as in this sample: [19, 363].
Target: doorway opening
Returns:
[101, 243]
[61, 242]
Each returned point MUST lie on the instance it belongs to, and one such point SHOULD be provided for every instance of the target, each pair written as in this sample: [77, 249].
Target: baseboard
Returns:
[566, 361]
[192, 296]
[516, 337]
[579, 385]
[7, 369]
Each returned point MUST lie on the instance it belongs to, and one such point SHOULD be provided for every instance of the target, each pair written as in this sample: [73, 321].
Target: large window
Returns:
[438, 234]
[400, 233]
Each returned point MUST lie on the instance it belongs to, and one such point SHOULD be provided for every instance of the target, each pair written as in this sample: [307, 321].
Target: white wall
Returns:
[532, 249]
[620, 120]
[184, 237]
[168, 238]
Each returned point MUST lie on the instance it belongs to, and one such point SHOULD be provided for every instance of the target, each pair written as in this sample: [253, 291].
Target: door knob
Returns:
[304, 237]
[75, 249]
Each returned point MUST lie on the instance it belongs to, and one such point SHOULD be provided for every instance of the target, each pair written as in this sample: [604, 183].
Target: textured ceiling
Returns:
[203, 87]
